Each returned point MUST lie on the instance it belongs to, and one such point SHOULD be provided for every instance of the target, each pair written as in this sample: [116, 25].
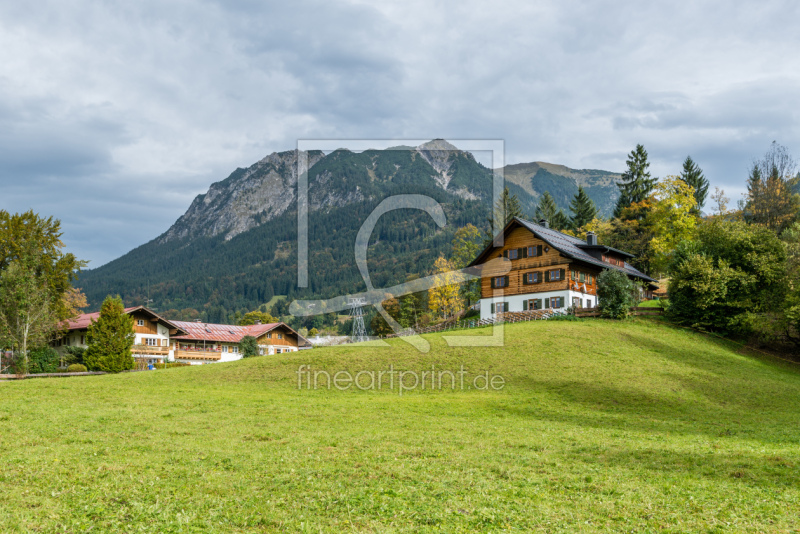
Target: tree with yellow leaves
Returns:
[671, 219]
[444, 298]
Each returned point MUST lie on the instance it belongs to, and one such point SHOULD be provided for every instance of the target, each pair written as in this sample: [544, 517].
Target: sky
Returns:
[115, 115]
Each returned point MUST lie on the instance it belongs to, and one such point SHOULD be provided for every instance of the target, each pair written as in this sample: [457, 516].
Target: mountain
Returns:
[235, 247]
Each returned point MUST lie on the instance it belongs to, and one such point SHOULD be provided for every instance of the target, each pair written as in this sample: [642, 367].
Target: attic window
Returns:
[140, 322]
[231, 332]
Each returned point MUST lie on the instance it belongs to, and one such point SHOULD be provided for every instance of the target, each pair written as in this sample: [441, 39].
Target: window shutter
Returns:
[505, 254]
[547, 276]
[538, 250]
[506, 281]
[505, 306]
[519, 252]
[562, 275]
[491, 282]
[524, 252]
[546, 303]
[525, 281]
[492, 307]
[583, 277]
[524, 305]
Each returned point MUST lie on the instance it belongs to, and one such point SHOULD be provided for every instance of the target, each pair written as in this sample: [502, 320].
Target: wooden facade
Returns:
[541, 264]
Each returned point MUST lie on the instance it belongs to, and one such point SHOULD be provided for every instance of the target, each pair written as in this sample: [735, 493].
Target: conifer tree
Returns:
[548, 210]
[506, 208]
[583, 209]
[693, 175]
[110, 339]
[636, 184]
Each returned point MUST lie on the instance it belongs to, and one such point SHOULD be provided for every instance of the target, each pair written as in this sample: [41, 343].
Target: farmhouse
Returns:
[157, 338]
[549, 269]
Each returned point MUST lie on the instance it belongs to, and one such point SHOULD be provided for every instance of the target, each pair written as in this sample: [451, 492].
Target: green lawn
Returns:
[602, 426]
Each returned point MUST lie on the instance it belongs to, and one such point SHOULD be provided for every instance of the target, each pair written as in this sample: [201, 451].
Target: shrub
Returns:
[248, 346]
[76, 368]
[615, 294]
[731, 272]
[110, 339]
[43, 360]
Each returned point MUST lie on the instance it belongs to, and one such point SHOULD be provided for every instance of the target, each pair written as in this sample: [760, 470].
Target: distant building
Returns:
[158, 338]
[549, 270]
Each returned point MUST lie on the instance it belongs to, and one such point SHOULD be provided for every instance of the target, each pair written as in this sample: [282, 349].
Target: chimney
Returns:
[258, 321]
[543, 222]
[591, 238]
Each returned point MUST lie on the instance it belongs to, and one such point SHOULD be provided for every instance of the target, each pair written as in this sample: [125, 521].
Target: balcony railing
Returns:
[198, 355]
[149, 349]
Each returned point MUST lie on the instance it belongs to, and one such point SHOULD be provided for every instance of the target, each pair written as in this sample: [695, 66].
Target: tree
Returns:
[506, 208]
[583, 209]
[636, 184]
[771, 200]
[254, 317]
[313, 332]
[110, 339]
[466, 247]
[548, 210]
[36, 242]
[672, 218]
[615, 294]
[248, 347]
[720, 201]
[693, 175]
[28, 317]
[728, 274]
[378, 325]
[444, 298]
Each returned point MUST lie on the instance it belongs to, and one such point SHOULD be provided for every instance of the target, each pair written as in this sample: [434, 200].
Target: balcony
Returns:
[150, 350]
[194, 354]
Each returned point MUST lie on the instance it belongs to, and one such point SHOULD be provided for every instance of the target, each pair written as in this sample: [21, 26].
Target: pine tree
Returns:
[693, 175]
[583, 209]
[636, 183]
[110, 339]
[548, 210]
[506, 208]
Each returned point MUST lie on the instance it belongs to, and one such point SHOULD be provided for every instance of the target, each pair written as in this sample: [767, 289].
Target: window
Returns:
[499, 281]
[499, 307]
[513, 254]
[225, 349]
[83, 340]
[269, 336]
[280, 335]
[589, 279]
[66, 342]
[556, 274]
[150, 342]
[140, 322]
[583, 278]
[534, 251]
[235, 349]
[574, 275]
[531, 278]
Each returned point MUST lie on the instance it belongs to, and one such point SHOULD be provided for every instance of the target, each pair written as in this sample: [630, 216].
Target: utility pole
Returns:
[357, 313]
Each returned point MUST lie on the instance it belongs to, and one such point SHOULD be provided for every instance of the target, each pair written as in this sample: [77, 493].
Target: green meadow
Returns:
[600, 427]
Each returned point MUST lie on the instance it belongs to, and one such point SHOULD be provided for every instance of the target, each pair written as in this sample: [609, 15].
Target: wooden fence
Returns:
[635, 310]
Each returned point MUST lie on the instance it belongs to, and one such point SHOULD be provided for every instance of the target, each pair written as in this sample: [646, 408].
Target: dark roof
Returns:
[569, 246]
[587, 246]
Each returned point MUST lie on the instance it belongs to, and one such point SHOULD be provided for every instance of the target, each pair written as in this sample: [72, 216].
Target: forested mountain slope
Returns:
[235, 247]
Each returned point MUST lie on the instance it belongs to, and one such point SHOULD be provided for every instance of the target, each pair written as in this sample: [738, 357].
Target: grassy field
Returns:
[601, 426]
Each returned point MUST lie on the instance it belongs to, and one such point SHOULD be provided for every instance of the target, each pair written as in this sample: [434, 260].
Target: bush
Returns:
[615, 294]
[248, 346]
[76, 368]
[43, 360]
[730, 273]
[73, 355]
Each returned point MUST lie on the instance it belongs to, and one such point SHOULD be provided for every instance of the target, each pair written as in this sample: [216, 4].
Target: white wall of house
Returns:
[515, 301]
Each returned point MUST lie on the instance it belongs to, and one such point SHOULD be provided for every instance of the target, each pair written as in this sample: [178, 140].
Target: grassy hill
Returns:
[601, 426]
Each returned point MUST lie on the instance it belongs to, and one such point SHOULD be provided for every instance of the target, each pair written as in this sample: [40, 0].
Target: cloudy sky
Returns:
[113, 116]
